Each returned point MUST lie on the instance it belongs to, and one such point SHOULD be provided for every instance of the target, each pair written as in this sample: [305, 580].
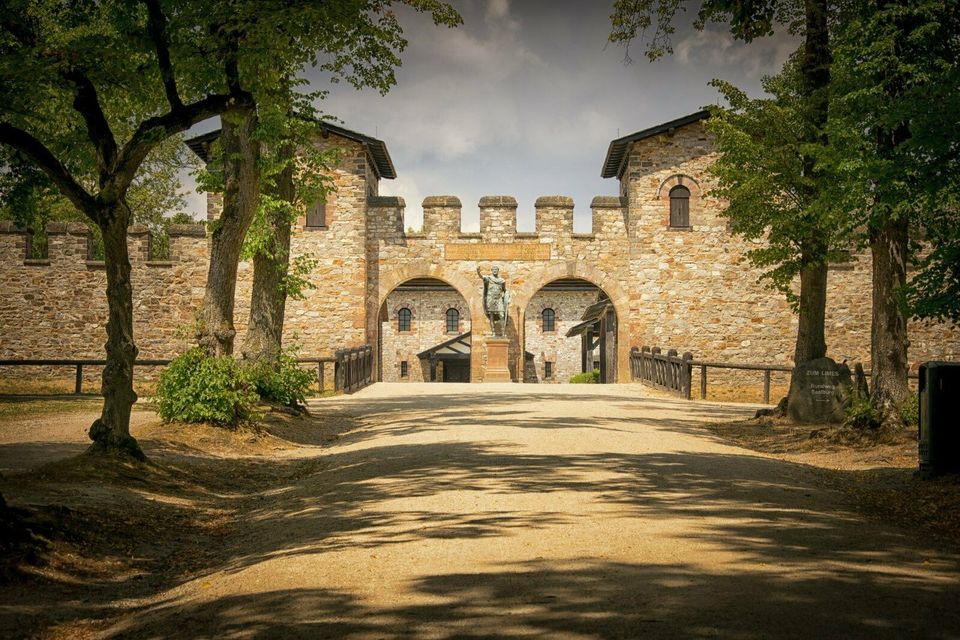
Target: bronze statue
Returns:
[496, 301]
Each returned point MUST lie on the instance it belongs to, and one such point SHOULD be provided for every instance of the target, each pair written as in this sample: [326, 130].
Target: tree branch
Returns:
[157, 29]
[49, 164]
[87, 104]
[154, 130]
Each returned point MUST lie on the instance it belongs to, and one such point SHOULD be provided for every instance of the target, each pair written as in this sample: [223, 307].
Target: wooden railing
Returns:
[79, 364]
[354, 368]
[669, 371]
[765, 368]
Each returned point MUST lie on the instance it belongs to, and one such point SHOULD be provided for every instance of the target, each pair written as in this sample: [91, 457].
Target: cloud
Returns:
[497, 9]
[716, 48]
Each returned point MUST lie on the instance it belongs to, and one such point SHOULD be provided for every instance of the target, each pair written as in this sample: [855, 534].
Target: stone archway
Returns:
[577, 269]
[391, 279]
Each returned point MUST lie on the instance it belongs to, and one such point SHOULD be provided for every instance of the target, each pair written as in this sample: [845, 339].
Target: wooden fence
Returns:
[79, 364]
[354, 368]
[669, 371]
[674, 374]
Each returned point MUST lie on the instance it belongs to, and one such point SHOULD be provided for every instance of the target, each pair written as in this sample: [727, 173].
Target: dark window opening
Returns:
[404, 316]
[37, 246]
[549, 320]
[548, 370]
[404, 369]
[317, 216]
[95, 250]
[679, 207]
[453, 321]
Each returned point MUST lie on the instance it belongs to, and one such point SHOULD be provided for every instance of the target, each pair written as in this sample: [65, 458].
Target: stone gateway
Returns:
[658, 265]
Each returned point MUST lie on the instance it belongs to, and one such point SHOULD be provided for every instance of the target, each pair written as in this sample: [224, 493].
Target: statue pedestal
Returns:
[498, 362]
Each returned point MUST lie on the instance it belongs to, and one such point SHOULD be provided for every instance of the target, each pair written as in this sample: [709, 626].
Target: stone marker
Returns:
[819, 391]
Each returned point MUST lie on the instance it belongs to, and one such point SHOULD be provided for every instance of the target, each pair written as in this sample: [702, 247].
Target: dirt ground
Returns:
[469, 511]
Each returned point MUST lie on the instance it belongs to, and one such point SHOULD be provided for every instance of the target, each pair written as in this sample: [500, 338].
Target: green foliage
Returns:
[764, 144]
[895, 130]
[910, 410]
[654, 20]
[588, 377]
[198, 388]
[282, 380]
[295, 282]
[860, 414]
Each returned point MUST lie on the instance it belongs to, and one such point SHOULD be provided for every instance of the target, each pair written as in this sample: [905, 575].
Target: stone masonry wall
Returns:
[694, 292]
[428, 328]
[687, 289]
[555, 346]
[527, 261]
[57, 308]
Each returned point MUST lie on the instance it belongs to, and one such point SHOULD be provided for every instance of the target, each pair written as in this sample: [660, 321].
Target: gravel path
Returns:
[567, 511]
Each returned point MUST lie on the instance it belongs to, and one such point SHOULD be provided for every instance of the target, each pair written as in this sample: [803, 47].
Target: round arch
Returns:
[393, 278]
[679, 180]
[577, 269]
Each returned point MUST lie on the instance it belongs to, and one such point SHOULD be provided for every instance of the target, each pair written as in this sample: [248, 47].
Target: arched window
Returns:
[679, 207]
[453, 321]
[403, 319]
[549, 320]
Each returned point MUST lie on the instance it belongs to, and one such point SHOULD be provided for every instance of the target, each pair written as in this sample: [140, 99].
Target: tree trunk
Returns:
[888, 329]
[269, 295]
[241, 193]
[811, 343]
[889, 240]
[111, 431]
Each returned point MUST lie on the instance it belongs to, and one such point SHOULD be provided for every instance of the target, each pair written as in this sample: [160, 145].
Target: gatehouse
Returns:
[659, 265]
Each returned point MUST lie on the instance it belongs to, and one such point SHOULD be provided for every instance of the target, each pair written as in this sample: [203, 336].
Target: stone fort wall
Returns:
[687, 289]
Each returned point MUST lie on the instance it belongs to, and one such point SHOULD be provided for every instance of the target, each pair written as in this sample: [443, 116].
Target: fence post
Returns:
[673, 378]
[687, 374]
[703, 382]
[78, 382]
[766, 386]
[657, 373]
[338, 372]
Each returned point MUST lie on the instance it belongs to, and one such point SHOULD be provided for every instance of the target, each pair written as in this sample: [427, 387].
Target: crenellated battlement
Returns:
[68, 245]
[443, 218]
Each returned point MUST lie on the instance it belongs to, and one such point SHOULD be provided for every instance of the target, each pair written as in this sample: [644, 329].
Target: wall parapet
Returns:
[498, 202]
[188, 230]
[383, 202]
[67, 228]
[608, 202]
[554, 202]
[441, 201]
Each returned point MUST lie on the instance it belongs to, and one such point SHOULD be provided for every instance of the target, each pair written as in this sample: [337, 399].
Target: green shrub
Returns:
[910, 410]
[198, 388]
[589, 377]
[860, 414]
[282, 381]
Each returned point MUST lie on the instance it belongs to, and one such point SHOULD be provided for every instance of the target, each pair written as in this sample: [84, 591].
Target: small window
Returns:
[403, 319]
[317, 216]
[404, 369]
[453, 321]
[679, 207]
[548, 370]
[549, 320]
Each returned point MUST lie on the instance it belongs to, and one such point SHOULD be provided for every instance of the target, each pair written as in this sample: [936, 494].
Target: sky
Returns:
[524, 98]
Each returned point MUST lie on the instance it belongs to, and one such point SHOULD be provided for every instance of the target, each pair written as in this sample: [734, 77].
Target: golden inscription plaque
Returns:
[502, 251]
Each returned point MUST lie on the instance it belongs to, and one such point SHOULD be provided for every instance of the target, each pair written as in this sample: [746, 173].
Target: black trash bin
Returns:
[939, 440]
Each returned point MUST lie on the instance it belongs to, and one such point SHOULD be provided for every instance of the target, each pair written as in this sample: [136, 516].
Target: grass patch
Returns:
[13, 409]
